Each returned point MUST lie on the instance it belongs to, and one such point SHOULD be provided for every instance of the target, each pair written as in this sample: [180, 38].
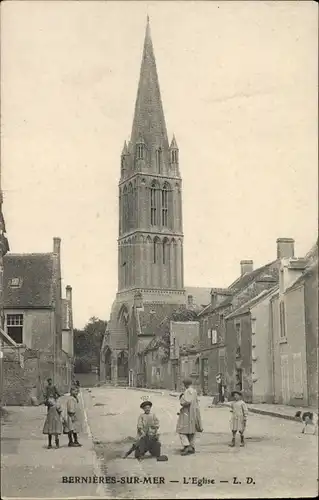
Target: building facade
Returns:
[225, 339]
[35, 321]
[150, 243]
[294, 311]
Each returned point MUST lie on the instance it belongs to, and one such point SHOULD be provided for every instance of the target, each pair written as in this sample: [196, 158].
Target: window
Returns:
[165, 251]
[139, 151]
[205, 326]
[164, 206]
[155, 251]
[238, 339]
[174, 156]
[122, 164]
[15, 282]
[282, 319]
[14, 323]
[209, 333]
[214, 336]
[129, 206]
[125, 209]
[153, 205]
[159, 160]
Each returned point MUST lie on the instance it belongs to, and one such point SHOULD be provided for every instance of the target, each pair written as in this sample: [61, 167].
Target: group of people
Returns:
[147, 440]
[188, 424]
[56, 423]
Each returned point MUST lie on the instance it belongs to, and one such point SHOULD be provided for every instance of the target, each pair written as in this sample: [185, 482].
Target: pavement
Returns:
[278, 460]
[272, 410]
[30, 470]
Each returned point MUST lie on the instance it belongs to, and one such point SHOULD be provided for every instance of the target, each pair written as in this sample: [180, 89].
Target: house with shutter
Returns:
[225, 349]
[294, 319]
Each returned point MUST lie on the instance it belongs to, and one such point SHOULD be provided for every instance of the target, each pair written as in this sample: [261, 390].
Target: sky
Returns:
[239, 89]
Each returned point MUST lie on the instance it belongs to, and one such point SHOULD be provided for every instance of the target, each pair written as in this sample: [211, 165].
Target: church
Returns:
[150, 241]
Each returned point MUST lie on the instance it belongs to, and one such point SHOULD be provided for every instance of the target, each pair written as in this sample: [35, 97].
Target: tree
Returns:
[87, 345]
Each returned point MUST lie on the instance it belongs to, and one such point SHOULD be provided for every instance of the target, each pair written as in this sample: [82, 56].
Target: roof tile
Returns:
[36, 286]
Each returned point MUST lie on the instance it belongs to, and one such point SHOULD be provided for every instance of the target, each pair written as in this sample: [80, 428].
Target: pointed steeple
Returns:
[149, 121]
[173, 143]
[125, 149]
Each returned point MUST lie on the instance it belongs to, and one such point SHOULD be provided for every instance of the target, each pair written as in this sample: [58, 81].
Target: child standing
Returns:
[238, 420]
[73, 421]
[53, 422]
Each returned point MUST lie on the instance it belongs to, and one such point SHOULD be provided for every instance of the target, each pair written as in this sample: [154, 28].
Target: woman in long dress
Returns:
[189, 418]
[53, 422]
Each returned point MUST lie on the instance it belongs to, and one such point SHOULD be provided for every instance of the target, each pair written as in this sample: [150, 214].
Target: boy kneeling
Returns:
[147, 434]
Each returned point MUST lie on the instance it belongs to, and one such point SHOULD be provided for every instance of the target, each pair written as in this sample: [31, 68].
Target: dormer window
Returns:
[15, 282]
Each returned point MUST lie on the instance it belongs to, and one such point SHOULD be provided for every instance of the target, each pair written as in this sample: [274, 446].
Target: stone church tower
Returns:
[150, 243]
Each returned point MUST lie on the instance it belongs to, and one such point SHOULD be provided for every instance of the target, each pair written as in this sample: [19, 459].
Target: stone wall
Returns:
[24, 374]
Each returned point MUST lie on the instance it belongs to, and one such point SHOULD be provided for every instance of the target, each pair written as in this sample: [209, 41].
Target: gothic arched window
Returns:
[134, 210]
[165, 250]
[140, 151]
[125, 209]
[153, 204]
[155, 251]
[159, 160]
[130, 206]
[174, 156]
[165, 205]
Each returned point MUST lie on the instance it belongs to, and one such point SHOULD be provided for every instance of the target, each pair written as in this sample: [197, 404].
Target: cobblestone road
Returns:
[280, 461]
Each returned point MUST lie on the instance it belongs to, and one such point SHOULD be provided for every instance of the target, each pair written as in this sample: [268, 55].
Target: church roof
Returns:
[201, 295]
[149, 121]
[153, 315]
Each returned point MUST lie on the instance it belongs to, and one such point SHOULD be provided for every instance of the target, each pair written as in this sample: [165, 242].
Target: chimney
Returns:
[190, 300]
[285, 248]
[56, 245]
[68, 293]
[246, 266]
[290, 271]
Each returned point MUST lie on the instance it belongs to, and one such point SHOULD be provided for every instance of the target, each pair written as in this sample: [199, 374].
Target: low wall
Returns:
[24, 373]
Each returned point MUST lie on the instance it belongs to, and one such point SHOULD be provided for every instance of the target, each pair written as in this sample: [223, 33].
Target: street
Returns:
[278, 461]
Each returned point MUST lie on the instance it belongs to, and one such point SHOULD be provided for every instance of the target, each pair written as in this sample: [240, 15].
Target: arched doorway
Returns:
[122, 368]
[123, 356]
[108, 364]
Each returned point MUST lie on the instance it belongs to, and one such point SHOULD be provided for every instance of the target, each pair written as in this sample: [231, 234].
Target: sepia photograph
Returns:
[159, 249]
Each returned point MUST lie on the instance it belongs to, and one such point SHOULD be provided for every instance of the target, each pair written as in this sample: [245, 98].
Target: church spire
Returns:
[149, 121]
